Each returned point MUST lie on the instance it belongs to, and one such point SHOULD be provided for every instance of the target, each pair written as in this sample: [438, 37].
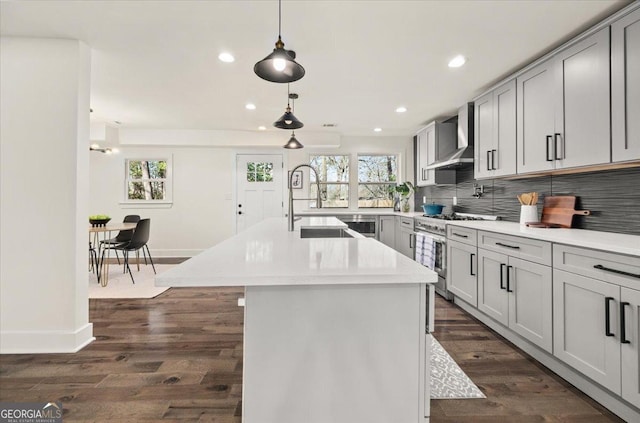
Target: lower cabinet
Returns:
[461, 271]
[629, 338]
[405, 239]
[387, 230]
[518, 294]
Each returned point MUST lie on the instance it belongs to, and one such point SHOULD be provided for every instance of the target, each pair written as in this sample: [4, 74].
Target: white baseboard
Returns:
[46, 342]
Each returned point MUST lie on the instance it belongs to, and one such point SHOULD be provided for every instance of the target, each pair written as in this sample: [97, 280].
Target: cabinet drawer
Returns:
[515, 246]
[616, 268]
[406, 222]
[461, 234]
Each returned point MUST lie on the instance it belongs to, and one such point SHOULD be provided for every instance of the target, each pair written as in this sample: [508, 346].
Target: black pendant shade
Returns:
[279, 66]
[293, 142]
[288, 121]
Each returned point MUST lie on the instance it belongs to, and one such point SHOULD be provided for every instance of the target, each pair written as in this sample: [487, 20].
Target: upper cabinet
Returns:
[563, 108]
[429, 141]
[625, 87]
[495, 132]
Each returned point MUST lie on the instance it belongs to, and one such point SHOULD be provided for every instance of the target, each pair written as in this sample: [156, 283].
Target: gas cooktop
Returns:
[460, 216]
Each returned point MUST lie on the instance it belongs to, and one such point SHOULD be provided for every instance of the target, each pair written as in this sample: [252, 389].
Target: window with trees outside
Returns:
[377, 178]
[333, 175]
[147, 180]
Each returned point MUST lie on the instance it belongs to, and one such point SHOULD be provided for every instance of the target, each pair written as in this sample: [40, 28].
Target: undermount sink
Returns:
[324, 233]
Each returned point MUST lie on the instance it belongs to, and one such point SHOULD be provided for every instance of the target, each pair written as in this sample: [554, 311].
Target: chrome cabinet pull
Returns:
[620, 272]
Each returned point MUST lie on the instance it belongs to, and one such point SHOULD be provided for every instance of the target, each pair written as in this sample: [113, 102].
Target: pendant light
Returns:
[279, 66]
[288, 120]
[293, 142]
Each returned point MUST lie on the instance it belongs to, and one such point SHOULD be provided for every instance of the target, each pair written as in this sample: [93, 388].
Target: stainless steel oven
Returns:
[366, 225]
[438, 251]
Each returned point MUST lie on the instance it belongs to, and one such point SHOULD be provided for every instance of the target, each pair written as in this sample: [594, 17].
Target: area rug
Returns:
[448, 381]
[120, 286]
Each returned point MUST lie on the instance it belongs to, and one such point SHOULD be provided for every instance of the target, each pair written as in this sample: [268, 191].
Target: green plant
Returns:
[405, 189]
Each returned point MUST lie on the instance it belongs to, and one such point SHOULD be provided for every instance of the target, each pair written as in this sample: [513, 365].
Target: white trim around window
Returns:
[166, 182]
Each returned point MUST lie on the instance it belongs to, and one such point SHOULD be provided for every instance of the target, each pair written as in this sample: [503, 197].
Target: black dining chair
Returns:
[93, 257]
[123, 236]
[137, 242]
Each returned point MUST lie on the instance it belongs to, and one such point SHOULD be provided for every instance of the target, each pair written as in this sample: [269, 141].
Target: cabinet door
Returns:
[493, 299]
[630, 350]
[429, 175]
[530, 302]
[421, 157]
[461, 271]
[405, 242]
[582, 122]
[503, 155]
[625, 87]
[535, 123]
[483, 133]
[387, 231]
[579, 327]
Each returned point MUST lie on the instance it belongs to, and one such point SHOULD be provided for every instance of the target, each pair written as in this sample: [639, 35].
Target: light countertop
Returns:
[607, 241]
[365, 212]
[268, 254]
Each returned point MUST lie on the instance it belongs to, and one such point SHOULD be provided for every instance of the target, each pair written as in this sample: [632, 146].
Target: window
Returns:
[259, 172]
[333, 175]
[377, 177]
[147, 180]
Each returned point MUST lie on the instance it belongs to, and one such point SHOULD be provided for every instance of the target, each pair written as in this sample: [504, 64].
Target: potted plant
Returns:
[405, 190]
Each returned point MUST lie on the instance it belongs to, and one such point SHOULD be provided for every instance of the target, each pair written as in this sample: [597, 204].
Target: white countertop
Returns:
[268, 254]
[365, 212]
[607, 241]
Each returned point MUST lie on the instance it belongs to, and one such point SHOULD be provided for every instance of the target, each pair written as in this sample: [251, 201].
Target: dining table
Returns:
[104, 233]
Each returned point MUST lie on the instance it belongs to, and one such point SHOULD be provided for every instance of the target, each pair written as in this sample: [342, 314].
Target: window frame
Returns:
[325, 184]
[358, 182]
[168, 182]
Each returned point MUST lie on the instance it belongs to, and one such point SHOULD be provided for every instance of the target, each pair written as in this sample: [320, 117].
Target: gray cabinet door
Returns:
[530, 302]
[625, 87]
[405, 242]
[579, 332]
[535, 118]
[421, 157]
[503, 155]
[387, 231]
[630, 350]
[582, 124]
[493, 299]
[429, 175]
[483, 133]
[461, 271]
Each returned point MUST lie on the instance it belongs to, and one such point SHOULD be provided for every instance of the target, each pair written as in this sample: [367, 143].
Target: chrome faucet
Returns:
[318, 199]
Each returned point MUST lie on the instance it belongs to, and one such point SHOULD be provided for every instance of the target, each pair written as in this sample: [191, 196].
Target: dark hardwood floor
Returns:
[178, 357]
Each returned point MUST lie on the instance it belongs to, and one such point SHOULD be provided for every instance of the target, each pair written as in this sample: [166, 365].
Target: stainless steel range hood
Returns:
[464, 153]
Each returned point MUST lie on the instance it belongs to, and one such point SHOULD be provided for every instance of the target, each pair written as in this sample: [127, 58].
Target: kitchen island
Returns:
[335, 329]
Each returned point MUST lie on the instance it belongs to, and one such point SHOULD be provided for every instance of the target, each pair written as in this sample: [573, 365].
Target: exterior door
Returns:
[258, 189]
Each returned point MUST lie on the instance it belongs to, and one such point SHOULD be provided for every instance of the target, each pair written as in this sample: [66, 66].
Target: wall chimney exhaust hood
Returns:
[464, 153]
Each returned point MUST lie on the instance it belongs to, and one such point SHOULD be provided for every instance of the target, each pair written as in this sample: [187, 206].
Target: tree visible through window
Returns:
[146, 179]
[333, 175]
[377, 176]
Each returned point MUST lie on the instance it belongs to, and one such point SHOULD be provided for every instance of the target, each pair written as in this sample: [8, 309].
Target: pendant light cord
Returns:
[279, 18]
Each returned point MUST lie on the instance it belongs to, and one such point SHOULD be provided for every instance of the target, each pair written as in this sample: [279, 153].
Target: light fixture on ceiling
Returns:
[279, 66]
[226, 57]
[262, 128]
[457, 61]
[401, 109]
[293, 143]
[288, 120]
[250, 106]
[96, 147]
[377, 129]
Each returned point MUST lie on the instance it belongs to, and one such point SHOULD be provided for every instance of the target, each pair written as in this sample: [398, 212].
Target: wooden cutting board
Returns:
[558, 212]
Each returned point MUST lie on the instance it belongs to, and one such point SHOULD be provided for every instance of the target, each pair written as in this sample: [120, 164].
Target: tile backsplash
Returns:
[612, 196]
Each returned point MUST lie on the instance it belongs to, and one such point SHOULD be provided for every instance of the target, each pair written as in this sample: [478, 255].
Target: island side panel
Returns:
[340, 354]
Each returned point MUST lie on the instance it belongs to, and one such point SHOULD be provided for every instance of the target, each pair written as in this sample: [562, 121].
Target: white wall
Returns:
[44, 127]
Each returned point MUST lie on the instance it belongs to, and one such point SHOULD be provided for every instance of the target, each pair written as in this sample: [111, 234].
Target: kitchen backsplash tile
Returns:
[612, 196]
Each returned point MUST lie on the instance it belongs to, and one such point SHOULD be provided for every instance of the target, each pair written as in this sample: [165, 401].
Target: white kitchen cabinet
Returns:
[584, 333]
[495, 132]
[405, 238]
[387, 230]
[630, 324]
[461, 271]
[563, 108]
[625, 87]
[518, 294]
[435, 139]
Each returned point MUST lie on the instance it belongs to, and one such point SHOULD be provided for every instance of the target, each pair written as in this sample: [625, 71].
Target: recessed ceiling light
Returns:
[401, 109]
[457, 61]
[250, 106]
[226, 57]
[262, 128]
[377, 129]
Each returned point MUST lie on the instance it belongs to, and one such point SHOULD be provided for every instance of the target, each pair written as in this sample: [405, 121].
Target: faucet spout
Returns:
[290, 216]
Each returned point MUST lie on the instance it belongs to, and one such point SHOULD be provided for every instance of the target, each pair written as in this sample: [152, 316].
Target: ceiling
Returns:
[155, 63]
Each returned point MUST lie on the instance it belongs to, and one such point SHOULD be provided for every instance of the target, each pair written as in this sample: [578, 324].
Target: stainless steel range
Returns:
[431, 243]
